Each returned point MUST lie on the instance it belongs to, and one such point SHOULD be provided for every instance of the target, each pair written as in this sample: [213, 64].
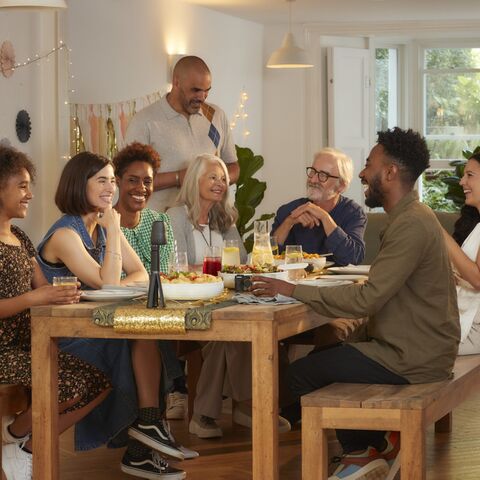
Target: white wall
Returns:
[284, 127]
[119, 52]
[122, 55]
[34, 89]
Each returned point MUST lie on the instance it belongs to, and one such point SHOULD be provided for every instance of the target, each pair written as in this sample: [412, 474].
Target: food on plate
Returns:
[249, 269]
[189, 277]
[306, 256]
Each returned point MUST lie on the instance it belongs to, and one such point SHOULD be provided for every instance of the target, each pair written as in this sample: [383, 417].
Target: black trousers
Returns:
[343, 364]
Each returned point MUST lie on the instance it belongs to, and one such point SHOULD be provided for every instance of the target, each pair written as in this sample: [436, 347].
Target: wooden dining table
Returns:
[262, 325]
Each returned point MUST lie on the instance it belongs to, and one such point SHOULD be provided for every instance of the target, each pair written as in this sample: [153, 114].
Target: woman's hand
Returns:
[269, 287]
[49, 294]
[109, 219]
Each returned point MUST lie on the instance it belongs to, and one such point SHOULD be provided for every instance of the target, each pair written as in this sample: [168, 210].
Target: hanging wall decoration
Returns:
[23, 126]
[7, 59]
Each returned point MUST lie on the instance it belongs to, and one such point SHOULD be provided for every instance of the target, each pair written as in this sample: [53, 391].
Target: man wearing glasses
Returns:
[325, 221]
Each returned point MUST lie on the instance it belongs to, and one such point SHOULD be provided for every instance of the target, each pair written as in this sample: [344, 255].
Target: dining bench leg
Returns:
[314, 445]
[413, 445]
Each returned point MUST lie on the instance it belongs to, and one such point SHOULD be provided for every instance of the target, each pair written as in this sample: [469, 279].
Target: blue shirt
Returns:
[345, 242]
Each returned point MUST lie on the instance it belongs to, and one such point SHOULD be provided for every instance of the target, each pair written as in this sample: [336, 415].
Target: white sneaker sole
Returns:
[201, 432]
[137, 472]
[160, 447]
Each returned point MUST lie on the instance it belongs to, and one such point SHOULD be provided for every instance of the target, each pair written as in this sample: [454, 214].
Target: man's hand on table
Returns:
[269, 287]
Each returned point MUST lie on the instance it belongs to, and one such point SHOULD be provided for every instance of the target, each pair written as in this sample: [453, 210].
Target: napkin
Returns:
[276, 300]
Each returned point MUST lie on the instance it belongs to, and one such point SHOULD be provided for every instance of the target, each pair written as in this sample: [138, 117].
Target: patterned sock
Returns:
[149, 414]
[137, 449]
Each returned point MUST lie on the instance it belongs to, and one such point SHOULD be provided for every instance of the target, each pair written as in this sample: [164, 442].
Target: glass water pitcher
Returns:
[262, 255]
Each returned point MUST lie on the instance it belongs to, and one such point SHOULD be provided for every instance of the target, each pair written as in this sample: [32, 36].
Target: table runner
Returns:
[177, 316]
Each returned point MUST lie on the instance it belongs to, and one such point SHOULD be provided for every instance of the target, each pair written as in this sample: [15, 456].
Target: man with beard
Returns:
[181, 126]
[325, 221]
[413, 330]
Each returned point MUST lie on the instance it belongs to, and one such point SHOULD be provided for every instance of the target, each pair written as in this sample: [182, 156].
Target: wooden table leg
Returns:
[265, 401]
[44, 402]
[314, 445]
[413, 446]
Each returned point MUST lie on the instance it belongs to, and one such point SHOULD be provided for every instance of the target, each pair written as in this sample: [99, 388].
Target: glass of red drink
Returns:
[212, 260]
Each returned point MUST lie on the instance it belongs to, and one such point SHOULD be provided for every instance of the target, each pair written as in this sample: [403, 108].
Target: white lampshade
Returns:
[29, 4]
[289, 55]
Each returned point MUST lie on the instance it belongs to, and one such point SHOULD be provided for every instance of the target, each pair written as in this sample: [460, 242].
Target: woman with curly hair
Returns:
[464, 251]
[23, 285]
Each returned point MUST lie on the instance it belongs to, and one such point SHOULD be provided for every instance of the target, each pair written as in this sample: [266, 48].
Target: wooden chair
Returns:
[13, 399]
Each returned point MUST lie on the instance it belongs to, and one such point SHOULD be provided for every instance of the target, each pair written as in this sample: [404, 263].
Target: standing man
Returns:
[180, 126]
[410, 299]
[325, 221]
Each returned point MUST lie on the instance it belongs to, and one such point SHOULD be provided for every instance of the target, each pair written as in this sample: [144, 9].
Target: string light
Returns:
[38, 57]
[241, 115]
[35, 59]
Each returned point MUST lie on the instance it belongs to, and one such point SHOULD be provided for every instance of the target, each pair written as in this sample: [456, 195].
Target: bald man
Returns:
[180, 126]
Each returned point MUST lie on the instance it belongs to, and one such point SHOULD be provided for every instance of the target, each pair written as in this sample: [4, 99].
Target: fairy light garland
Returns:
[241, 115]
[46, 56]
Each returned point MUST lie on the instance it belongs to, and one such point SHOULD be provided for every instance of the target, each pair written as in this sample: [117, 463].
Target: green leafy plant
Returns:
[249, 194]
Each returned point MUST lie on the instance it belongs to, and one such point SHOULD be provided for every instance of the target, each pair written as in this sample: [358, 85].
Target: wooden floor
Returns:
[450, 456]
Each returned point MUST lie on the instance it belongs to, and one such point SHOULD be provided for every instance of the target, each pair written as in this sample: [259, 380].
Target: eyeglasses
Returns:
[321, 175]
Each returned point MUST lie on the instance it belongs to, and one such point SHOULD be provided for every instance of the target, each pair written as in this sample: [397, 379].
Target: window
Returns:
[386, 88]
[451, 102]
[451, 116]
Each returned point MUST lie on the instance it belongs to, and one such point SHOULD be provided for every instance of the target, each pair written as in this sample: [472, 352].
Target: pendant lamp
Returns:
[289, 55]
[29, 4]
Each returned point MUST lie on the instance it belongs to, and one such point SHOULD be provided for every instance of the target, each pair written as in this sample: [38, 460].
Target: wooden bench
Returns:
[13, 399]
[409, 409]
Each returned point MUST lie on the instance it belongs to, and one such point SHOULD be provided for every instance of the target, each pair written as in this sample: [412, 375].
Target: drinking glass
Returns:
[212, 260]
[230, 253]
[178, 262]
[64, 281]
[293, 254]
[274, 245]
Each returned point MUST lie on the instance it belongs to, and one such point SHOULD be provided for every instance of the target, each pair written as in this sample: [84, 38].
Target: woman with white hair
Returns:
[203, 216]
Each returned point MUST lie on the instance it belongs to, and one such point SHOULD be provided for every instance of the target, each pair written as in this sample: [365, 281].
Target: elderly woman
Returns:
[203, 217]
[22, 285]
[464, 252]
[87, 242]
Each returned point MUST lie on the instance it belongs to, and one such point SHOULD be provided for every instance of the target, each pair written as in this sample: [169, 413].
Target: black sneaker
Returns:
[151, 465]
[156, 436]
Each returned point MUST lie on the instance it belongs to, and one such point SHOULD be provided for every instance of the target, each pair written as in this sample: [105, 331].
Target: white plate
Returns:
[345, 277]
[323, 282]
[352, 269]
[192, 291]
[110, 295]
[293, 266]
[229, 278]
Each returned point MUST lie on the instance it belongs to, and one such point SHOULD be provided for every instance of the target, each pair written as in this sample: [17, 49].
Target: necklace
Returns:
[209, 244]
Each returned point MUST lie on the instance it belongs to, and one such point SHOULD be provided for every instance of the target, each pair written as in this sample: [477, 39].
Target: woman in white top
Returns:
[466, 259]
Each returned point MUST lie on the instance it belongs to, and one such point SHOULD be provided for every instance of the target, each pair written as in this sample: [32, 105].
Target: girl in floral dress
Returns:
[22, 285]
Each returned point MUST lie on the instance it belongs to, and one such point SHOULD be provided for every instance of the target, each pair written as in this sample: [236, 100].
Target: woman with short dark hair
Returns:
[87, 242]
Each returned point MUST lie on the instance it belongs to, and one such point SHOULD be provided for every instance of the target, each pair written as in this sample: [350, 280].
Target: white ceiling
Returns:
[319, 11]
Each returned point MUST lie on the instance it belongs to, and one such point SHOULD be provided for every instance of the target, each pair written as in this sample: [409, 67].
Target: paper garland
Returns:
[23, 126]
[7, 59]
